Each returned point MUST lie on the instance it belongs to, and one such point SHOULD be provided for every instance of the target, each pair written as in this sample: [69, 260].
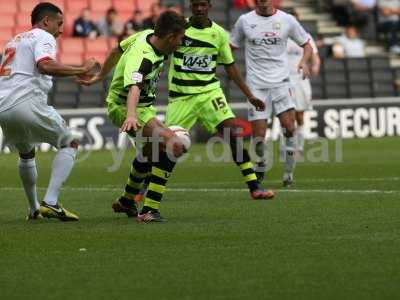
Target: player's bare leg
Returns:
[28, 174]
[287, 120]
[259, 132]
[61, 169]
[300, 134]
[242, 159]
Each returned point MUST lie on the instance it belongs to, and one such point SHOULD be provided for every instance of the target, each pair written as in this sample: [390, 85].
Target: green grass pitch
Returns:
[336, 235]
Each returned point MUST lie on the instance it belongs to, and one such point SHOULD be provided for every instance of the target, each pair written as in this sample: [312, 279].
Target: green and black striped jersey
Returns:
[194, 63]
[141, 65]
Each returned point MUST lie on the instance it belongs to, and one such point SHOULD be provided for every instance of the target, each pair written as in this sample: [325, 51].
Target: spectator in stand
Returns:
[134, 24]
[84, 27]
[364, 17]
[349, 44]
[109, 25]
[156, 10]
[388, 22]
[340, 11]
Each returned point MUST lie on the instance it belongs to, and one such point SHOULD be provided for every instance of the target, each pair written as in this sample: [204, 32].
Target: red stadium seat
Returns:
[97, 15]
[72, 45]
[22, 28]
[3, 43]
[124, 6]
[8, 6]
[7, 20]
[6, 33]
[98, 45]
[100, 6]
[27, 5]
[112, 42]
[71, 58]
[69, 19]
[124, 16]
[59, 3]
[145, 6]
[76, 6]
[23, 19]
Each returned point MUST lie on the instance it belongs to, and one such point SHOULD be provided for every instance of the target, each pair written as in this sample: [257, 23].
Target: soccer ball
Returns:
[183, 136]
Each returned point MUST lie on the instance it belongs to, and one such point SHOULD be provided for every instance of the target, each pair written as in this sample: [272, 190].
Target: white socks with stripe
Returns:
[62, 167]
[28, 174]
[300, 138]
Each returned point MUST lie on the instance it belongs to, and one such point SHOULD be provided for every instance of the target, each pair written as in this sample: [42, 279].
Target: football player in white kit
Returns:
[265, 32]
[28, 62]
[301, 87]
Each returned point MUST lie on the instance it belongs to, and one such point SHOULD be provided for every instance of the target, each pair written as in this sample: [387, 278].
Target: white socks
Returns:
[290, 161]
[28, 174]
[300, 138]
[62, 167]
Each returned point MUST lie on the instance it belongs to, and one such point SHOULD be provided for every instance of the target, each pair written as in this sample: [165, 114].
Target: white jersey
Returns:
[20, 79]
[265, 40]
[295, 53]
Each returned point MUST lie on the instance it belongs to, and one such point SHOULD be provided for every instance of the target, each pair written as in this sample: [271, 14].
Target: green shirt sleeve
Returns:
[138, 66]
[124, 45]
[225, 56]
[128, 41]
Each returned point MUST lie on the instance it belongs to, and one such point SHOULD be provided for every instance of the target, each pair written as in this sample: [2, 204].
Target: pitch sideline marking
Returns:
[216, 190]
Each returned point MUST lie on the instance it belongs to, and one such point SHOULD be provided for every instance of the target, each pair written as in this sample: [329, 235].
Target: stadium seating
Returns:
[346, 78]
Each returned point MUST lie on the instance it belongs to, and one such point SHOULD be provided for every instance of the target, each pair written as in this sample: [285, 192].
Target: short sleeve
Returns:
[297, 32]
[136, 69]
[313, 45]
[124, 44]
[225, 56]
[237, 34]
[45, 48]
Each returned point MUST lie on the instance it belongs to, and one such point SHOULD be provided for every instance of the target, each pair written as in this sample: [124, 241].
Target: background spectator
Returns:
[156, 10]
[110, 25]
[349, 44]
[388, 22]
[134, 24]
[84, 26]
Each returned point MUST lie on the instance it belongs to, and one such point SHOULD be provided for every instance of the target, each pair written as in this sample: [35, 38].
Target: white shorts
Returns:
[277, 100]
[302, 95]
[34, 122]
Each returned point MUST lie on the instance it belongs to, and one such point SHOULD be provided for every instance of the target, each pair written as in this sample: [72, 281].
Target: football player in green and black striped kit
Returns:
[130, 101]
[195, 93]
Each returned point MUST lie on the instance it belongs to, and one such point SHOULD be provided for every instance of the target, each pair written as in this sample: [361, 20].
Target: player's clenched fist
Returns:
[257, 103]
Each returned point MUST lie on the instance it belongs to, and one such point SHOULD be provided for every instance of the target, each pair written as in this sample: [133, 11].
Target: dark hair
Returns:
[110, 11]
[209, 1]
[169, 22]
[42, 10]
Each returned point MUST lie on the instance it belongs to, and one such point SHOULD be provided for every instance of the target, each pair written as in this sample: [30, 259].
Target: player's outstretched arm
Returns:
[131, 122]
[315, 64]
[303, 65]
[234, 74]
[54, 68]
[110, 62]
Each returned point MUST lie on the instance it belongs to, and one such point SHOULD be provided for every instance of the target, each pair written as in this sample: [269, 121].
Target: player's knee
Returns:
[259, 131]
[289, 130]
[299, 119]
